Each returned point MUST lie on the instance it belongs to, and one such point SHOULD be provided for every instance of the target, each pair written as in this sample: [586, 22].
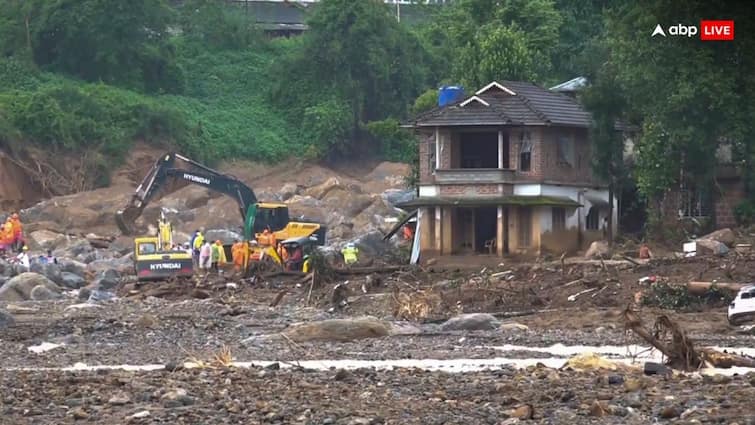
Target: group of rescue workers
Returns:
[13, 245]
[211, 256]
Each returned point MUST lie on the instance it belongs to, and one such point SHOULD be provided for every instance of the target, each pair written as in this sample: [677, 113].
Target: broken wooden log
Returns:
[725, 360]
[284, 273]
[366, 270]
[679, 350]
[700, 288]
[278, 298]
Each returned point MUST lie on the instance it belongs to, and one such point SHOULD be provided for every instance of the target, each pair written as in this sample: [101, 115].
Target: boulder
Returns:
[97, 295]
[122, 244]
[6, 319]
[6, 268]
[371, 245]
[711, 247]
[85, 293]
[471, 322]
[342, 330]
[398, 196]
[322, 189]
[107, 280]
[72, 280]
[74, 249]
[598, 249]
[223, 235]
[19, 288]
[288, 190]
[50, 271]
[725, 236]
[119, 265]
[72, 266]
[42, 293]
[45, 239]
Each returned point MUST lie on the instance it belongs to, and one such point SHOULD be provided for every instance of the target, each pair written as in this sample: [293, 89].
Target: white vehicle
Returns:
[742, 309]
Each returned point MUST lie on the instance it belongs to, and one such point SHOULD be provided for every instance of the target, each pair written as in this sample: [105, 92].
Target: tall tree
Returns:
[124, 43]
[357, 55]
[485, 40]
[606, 102]
[679, 87]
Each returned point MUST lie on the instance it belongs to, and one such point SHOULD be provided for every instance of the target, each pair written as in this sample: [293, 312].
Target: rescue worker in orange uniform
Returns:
[9, 233]
[237, 255]
[268, 237]
[18, 228]
[408, 232]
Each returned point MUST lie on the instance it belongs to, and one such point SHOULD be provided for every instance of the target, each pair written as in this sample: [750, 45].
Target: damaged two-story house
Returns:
[508, 171]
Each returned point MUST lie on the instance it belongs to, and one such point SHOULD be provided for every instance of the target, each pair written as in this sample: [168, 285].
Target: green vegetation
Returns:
[96, 75]
[677, 297]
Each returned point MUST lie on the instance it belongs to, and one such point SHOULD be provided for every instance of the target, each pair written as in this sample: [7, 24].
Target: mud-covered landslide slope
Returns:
[17, 189]
[350, 206]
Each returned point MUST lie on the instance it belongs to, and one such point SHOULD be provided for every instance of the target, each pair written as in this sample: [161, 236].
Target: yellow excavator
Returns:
[257, 216]
[156, 258]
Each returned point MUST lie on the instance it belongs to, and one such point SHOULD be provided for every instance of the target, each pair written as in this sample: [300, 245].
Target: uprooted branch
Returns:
[671, 340]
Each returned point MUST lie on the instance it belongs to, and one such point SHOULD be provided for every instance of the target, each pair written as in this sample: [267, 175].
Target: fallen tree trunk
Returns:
[700, 288]
[366, 270]
[679, 350]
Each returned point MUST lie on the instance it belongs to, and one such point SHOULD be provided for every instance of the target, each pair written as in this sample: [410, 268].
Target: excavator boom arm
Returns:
[165, 170]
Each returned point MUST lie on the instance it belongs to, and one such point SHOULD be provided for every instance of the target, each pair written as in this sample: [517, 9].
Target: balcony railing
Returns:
[474, 175]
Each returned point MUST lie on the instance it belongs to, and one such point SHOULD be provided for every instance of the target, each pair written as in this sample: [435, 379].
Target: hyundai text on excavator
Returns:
[256, 216]
[155, 258]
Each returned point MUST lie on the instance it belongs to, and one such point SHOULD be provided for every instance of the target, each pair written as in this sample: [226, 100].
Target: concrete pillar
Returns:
[499, 232]
[513, 229]
[500, 149]
[437, 149]
[425, 231]
[447, 229]
[438, 229]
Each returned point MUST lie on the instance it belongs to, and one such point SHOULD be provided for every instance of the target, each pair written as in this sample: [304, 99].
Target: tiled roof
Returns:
[529, 105]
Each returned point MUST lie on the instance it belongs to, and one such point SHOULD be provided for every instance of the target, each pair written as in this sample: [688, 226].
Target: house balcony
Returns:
[474, 176]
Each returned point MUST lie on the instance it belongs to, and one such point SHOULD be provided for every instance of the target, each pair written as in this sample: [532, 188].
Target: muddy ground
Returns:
[169, 323]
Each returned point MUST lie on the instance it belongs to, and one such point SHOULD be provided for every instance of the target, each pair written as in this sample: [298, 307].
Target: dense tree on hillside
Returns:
[684, 91]
[355, 58]
[117, 42]
[484, 40]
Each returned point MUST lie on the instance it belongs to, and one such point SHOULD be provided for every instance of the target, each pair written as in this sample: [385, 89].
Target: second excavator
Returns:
[257, 216]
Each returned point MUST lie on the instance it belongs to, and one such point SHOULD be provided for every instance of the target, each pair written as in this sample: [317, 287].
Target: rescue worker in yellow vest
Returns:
[349, 253]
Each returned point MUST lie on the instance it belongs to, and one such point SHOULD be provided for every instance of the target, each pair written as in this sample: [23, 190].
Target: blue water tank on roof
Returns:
[449, 94]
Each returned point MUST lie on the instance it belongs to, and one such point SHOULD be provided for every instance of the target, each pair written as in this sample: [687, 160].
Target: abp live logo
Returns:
[716, 30]
[709, 30]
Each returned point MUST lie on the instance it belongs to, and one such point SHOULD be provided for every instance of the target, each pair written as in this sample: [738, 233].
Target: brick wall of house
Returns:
[446, 148]
[425, 156]
[732, 193]
[475, 190]
[555, 169]
[537, 161]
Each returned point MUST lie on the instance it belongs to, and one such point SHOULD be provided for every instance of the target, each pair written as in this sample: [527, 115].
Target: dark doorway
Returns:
[485, 227]
[480, 150]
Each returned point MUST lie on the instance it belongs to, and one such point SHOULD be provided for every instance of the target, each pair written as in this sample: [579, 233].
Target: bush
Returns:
[396, 143]
[328, 125]
[425, 102]
[745, 212]
[676, 297]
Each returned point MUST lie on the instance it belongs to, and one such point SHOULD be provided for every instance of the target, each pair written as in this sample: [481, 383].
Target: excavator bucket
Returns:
[125, 220]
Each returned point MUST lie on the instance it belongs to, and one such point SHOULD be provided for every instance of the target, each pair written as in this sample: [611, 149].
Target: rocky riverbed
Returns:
[402, 396]
[212, 333]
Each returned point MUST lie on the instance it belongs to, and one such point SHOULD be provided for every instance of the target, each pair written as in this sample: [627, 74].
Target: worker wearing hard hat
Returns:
[23, 259]
[350, 252]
